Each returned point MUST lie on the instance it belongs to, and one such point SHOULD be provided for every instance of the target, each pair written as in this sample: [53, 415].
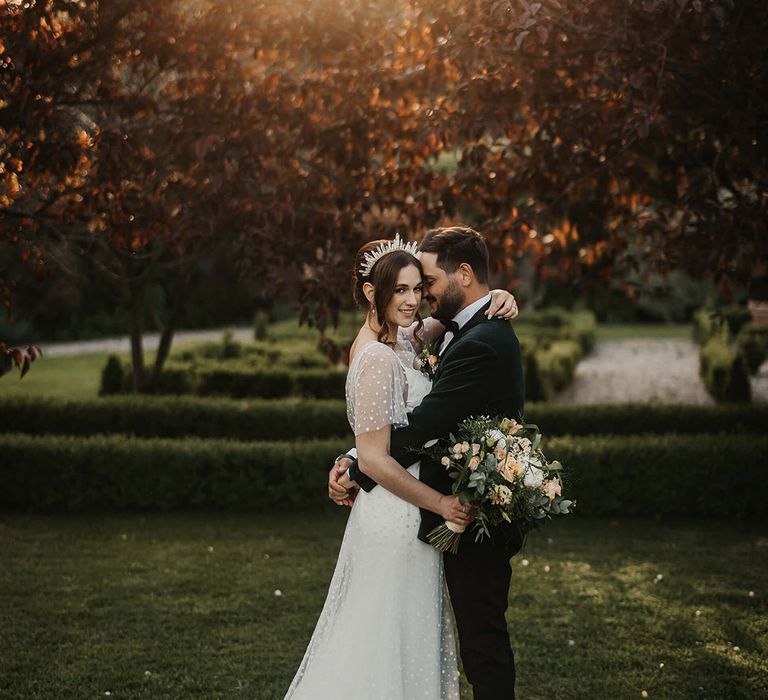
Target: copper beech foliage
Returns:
[20, 358]
[585, 137]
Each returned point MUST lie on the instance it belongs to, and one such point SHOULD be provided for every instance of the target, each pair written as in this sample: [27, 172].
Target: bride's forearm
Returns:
[388, 473]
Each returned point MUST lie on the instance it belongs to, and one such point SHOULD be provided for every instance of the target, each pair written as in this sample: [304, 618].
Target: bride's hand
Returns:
[452, 510]
[503, 305]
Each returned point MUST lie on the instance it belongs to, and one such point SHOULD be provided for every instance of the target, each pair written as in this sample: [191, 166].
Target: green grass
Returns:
[627, 331]
[171, 606]
[75, 377]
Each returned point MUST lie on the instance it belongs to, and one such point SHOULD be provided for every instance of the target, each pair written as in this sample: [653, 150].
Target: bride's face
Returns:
[406, 298]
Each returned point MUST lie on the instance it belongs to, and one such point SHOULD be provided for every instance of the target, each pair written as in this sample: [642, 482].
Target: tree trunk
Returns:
[168, 329]
[135, 299]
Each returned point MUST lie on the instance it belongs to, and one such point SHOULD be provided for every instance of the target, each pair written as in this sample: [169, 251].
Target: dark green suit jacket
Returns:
[479, 373]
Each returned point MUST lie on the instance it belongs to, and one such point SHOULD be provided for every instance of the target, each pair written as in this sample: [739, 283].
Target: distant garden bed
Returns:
[553, 342]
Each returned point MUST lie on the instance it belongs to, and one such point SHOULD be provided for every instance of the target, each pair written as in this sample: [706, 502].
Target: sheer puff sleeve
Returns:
[376, 390]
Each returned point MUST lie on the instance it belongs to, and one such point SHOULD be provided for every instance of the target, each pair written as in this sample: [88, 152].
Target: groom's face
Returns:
[441, 290]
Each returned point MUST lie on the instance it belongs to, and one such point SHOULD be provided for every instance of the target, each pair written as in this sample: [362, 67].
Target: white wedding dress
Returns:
[385, 631]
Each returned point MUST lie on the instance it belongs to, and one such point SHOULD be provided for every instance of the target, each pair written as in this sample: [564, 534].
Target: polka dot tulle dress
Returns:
[385, 631]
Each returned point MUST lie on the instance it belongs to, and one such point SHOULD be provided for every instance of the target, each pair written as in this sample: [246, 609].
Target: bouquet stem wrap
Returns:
[446, 537]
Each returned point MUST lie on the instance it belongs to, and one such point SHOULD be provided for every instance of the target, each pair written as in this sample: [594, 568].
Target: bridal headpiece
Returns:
[372, 257]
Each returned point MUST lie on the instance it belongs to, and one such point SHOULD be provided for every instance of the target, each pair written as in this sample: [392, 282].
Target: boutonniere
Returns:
[428, 360]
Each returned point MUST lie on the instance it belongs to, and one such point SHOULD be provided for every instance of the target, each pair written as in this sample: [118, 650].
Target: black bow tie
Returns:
[451, 326]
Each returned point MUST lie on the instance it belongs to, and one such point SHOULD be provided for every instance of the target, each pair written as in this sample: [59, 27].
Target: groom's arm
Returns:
[466, 377]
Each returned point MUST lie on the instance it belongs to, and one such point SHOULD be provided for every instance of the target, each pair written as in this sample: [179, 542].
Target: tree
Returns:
[600, 134]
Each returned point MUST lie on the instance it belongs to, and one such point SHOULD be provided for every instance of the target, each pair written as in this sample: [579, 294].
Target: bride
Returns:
[385, 631]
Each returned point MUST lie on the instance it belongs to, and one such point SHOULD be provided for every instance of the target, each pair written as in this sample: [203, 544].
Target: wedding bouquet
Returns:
[498, 468]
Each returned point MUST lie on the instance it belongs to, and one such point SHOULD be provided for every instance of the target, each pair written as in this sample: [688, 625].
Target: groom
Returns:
[479, 373]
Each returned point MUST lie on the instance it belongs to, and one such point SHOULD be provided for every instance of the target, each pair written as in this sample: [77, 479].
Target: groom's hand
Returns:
[341, 489]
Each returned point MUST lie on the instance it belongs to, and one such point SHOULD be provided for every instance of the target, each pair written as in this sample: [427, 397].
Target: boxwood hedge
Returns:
[671, 475]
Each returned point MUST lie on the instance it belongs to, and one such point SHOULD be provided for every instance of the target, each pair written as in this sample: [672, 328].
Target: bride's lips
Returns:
[407, 312]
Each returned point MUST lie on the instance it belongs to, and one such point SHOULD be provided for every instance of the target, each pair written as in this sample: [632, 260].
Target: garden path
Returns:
[151, 341]
[645, 370]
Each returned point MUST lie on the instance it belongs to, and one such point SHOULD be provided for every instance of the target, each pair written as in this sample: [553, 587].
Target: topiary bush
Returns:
[114, 379]
[724, 370]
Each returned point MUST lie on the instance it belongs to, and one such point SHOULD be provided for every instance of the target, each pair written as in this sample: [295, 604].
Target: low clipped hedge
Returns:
[238, 378]
[671, 475]
[293, 419]
[172, 417]
[76, 474]
[696, 475]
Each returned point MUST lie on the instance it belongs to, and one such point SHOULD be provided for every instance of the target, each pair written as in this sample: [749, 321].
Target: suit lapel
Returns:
[479, 317]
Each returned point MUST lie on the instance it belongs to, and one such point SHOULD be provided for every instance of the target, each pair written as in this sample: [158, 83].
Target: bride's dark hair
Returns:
[384, 279]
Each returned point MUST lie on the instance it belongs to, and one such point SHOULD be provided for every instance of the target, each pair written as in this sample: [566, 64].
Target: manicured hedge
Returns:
[640, 419]
[171, 417]
[553, 341]
[704, 475]
[687, 475]
[238, 378]
[58, 473]
[289, 419]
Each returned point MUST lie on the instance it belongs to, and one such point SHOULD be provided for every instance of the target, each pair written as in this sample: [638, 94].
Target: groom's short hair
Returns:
[455, 245]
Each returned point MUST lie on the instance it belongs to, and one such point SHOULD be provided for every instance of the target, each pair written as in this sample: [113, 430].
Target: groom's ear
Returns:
[369, 290]
[466, 274]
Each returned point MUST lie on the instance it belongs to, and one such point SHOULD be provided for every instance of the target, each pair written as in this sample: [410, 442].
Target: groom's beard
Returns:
[449, 303]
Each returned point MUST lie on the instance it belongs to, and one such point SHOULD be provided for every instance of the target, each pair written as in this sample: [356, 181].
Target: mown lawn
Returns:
[77, 377]
[184, 606]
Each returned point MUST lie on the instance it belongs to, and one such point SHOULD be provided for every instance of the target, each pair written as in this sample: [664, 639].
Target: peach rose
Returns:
[552, 488]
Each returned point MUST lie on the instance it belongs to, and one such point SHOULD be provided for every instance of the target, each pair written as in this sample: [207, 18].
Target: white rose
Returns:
[445, 461]
[496, 437]
[534, 477]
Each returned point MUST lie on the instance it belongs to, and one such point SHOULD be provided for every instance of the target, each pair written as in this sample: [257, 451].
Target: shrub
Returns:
[557, 363]
[724, 370]
[753, 343]
[113, 377]
[705, 324]
[713, 475]
[261, 326]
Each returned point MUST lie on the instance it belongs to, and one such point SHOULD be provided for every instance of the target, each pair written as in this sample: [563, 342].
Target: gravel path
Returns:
[645, 370]
[151, 341]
